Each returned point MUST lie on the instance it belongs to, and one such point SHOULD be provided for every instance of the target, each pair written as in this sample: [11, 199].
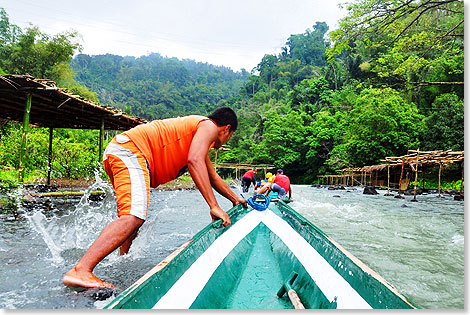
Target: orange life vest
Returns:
[165, 145]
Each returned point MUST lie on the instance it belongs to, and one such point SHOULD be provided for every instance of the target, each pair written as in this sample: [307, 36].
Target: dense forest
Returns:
[388, 79]
[155, 87]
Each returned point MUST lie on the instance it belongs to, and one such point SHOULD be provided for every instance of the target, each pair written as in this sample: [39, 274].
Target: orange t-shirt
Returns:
[165, 145]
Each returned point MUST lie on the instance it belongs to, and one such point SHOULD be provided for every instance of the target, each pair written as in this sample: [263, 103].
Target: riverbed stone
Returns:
[370, 190]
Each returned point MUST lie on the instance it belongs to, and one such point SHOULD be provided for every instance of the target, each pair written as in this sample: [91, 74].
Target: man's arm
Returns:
[205, 135]
[221, 187]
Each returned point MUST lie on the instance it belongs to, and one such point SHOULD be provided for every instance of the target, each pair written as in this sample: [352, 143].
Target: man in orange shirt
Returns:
[147, 156]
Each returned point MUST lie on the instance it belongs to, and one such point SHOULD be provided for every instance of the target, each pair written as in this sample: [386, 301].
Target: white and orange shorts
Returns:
[130, 176]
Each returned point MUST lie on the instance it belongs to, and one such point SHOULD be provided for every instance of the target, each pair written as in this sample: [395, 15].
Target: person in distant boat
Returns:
[263, 182]
[280, 184]
[248, 178]
[147, 156]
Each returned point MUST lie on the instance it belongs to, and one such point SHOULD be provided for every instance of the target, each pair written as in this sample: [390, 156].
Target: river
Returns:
[417, 246]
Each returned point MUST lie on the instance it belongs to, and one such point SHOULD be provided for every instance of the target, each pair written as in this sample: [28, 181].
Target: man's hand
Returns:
[240, 200]
[218, 213]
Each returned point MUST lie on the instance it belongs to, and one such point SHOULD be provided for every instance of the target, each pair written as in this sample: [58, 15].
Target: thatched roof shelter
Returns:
[55, 107]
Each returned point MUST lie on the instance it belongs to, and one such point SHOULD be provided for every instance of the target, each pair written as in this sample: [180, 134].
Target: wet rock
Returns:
[404, 206]
[370, 190]
[100, 294]
[451, 192]
[336, 187]
[411, 192]
[316, 185]
[336, 196]
[458, 197]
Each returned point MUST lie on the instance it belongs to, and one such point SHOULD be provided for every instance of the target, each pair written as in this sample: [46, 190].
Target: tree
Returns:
[283, 140]
[310, 95]
[37, 53]
[402, 40]
[308, 47]
[445, 126]
[380, 124]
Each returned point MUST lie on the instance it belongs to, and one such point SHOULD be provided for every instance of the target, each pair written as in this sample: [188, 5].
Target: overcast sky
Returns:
[236, 33]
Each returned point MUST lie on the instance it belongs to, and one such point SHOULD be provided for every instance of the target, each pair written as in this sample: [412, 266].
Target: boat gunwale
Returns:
[365, 268]
[124, 296]
[284, 210]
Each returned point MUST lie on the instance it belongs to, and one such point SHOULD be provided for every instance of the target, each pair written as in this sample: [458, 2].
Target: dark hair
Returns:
[224, 116]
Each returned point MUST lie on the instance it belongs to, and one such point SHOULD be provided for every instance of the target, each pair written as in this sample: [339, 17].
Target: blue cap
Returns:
[279, 171]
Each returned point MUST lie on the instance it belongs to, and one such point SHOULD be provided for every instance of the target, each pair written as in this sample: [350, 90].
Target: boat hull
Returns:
[245, 265]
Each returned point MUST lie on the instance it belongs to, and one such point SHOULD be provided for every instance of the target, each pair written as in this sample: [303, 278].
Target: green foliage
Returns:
[388, 79]
[37, 53]
[74, 152]
[157, 87]
[283, 140]
[381, 124]
[445, 126]
[308, 47]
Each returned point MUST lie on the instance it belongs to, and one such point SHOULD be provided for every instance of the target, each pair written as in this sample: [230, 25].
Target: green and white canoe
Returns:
[246, 265]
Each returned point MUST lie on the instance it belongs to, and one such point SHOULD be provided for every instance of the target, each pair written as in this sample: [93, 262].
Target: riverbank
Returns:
[35, 193]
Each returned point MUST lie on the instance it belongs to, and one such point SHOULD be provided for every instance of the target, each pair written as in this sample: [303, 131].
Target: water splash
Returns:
[78, 227]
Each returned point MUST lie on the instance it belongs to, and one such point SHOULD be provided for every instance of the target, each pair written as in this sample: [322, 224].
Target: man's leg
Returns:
[114, 235]
[244, 184]
[124, 249]
[264, 189]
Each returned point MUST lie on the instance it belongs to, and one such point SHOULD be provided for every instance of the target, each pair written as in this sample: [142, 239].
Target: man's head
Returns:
[224, 116]
[279, 171]
[227, 122]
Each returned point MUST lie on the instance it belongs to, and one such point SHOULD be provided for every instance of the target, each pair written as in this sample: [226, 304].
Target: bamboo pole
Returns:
[461, 183]
[69, 193]
[51, 132]
[439, 183]
[100, 154]
[416, 178]
[388, 179]
[27, 112]
[295, 300]
[401, 177]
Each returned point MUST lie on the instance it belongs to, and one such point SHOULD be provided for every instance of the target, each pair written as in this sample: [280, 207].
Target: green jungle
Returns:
[388, 79]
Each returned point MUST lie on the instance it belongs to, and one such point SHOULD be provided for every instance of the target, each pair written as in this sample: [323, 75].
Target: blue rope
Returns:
[259, 205]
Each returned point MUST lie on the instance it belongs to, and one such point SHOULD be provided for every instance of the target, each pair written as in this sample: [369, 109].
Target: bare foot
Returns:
[86, 279]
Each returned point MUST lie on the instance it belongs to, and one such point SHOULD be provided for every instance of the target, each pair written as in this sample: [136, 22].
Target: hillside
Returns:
[154, 86]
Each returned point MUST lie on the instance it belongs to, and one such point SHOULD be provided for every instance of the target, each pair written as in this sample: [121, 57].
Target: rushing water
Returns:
[416, 246]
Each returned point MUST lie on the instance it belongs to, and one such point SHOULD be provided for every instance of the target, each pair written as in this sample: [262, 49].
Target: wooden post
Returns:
[401, 177]
[461, 183]
[388, 179]
[439, 183]
[424, 177]
[416, 176]
[51, 132]
[25, 128]
[100, 155]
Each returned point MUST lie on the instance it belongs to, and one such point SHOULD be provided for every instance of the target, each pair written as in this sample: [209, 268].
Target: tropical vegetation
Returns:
[388, 79]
